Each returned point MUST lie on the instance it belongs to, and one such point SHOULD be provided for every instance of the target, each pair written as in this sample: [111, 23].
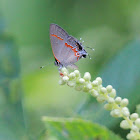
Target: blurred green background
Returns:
[27, 93]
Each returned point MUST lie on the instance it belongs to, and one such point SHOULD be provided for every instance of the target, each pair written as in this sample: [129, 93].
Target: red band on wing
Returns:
[56, 36]
[59, 39]
[74, 50]
[55, 57]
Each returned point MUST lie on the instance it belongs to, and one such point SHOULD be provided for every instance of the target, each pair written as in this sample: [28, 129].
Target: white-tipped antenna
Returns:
[43, 66]
[91, 49]
[81, 39]
[89, 56]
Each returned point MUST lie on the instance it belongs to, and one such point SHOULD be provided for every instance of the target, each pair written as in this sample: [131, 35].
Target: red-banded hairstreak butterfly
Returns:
[67, 50]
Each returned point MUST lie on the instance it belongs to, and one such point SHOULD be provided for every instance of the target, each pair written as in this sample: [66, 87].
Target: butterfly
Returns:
[67, 50]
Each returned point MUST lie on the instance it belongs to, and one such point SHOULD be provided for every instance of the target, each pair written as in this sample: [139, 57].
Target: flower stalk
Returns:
[107, 95]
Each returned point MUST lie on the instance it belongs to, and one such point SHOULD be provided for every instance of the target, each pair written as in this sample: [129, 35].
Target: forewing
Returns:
[58, 38]
[63, 45]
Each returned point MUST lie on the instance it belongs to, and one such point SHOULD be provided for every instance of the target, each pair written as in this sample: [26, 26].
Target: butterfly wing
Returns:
[58, 38]
[63, 46]
[72, 54]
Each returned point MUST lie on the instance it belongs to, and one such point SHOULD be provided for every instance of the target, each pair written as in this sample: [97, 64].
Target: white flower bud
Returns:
[134, 116]
[77, 73]
[109, 88]
[61, 82]
[101, 98]
[126, 113]
[89, 86]
[100, 86]
[65, 78]
[71, 83]
[110, 100]
[81, 80]
[124, 124]
[87, 76]
[124, 102]
[112, 93]
[134, 128]
[115, 113]
[125, 109]
[94, 93]
[118, 100]
[95, 83]
[137, 122]
[108, 106]
[72, 75]
[65, 74]
[103, 90]
[64, 70]
[99, 79]
[130, 136]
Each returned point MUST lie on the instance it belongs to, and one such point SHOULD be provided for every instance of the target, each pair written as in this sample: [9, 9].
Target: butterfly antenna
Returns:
[90, 48]
[89, 56]
[43, 66]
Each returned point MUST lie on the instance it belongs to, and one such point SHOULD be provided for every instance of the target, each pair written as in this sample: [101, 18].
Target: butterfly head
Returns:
[82, 52]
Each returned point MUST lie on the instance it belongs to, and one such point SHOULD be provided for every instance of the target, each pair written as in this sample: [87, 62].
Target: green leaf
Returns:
[76, 129]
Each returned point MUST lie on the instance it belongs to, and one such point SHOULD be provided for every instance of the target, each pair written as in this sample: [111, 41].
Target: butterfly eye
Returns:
[79, 47]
